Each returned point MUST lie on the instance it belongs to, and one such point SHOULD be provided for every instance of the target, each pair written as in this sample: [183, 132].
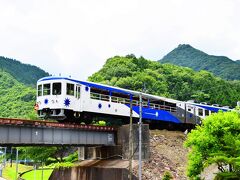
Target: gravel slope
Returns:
[167, 154]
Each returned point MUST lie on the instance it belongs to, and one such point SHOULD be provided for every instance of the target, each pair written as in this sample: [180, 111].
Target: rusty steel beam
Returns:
[42, 123]
[19, 132]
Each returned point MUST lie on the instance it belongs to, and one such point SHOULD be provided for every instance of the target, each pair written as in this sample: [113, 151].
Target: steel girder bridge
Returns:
[21, 132]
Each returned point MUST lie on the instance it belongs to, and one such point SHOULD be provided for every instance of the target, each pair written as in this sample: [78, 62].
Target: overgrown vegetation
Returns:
[167, 176]
[187, 56]
[16, 99]
[167, 80]
[47, 154]
[31, 175]
[216, 141]
[10, 172]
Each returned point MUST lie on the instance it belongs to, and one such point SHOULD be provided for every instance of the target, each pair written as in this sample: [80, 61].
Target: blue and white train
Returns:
[63, 98]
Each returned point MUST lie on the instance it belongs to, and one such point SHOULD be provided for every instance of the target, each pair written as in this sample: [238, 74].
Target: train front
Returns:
[55, 98]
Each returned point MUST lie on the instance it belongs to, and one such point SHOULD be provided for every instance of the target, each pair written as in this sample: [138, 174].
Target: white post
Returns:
[130, 143]
[5, 156]
[42, 170]
[16, 176]
[140, 138]
[34, 172]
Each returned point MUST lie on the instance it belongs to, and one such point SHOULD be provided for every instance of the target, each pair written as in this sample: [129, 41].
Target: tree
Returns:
[167, 80]
[43, 153]
[216, 141]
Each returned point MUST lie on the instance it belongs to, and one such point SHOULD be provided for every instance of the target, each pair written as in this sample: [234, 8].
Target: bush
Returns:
[227, 175]
[167, 175]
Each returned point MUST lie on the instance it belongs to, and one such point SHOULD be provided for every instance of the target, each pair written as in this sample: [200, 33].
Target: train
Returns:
[67, 99]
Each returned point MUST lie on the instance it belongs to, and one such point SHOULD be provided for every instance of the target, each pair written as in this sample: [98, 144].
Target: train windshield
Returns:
[56, 88]
[46, 89]
[39, 90]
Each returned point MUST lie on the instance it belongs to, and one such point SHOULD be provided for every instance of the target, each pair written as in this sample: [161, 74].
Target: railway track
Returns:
[50, 124]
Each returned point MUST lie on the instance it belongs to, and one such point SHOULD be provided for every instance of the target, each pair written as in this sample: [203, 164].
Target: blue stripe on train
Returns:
[153, 114]
[214, 109]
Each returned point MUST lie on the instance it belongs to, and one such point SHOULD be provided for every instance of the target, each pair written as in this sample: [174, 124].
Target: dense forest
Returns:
[187, 56]
[167, 80]
[16, 99]
[24, 73]
[129, 72]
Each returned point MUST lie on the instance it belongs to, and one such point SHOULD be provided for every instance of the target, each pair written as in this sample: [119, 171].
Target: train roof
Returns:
[210, 107]
[110, 88]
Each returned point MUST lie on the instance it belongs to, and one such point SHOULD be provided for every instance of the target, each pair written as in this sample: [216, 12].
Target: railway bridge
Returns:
[21, 132]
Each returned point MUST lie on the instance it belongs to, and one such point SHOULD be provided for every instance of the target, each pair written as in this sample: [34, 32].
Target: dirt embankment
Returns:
[167, 154]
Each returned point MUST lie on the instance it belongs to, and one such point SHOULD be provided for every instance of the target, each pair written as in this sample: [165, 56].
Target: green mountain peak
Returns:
[24, 73]
[188, 56]
[167, 80]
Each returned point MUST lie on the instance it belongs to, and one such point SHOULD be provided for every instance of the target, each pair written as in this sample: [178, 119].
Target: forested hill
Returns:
[16, 99]
[24, 73]
[238, 61]
[187, 56]
[167, 80]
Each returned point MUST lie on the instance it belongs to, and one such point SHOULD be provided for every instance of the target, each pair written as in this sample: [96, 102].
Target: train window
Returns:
[99, 94]
[206, 112]
[40, 90]
[56, 89]
[46, 89]
[200, 112]
[70, 89]
[78, 90]
[189, 109]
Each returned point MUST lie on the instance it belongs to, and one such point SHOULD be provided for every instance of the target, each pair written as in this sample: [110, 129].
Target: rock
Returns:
[167, 154]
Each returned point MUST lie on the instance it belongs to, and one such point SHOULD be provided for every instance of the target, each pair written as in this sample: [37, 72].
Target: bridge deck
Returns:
[27, 132]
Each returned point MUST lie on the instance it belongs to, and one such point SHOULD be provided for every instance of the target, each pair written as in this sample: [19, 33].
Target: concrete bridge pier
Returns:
[81, 153]
[121, 150]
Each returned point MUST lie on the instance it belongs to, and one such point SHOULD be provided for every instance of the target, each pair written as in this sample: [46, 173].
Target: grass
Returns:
[9, 173]
[34, 175]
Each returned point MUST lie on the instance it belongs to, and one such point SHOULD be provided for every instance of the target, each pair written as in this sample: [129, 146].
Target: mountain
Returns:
[17, 99]
[167, 80]
[25, 73]
[238, 61]
[187, 56]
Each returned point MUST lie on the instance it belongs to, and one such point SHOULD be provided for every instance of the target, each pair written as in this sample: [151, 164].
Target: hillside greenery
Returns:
[16, 99]
[216, 141]
[24, 73]
[187, 56]
[167, 80]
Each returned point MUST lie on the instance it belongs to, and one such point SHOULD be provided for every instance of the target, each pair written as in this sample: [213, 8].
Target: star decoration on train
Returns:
[67, 102]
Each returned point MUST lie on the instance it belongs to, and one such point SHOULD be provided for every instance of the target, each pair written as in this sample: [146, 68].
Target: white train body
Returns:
[61, 98]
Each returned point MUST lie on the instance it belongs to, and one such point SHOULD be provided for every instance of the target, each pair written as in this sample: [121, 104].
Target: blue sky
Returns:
[75, 37]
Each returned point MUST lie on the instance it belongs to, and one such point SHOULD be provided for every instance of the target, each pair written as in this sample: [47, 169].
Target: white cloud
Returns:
[75, 37]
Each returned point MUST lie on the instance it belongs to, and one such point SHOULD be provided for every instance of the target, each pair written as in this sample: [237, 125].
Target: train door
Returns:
[78, 96]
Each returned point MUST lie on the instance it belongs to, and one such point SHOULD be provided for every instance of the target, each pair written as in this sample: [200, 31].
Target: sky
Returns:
[76, 37]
